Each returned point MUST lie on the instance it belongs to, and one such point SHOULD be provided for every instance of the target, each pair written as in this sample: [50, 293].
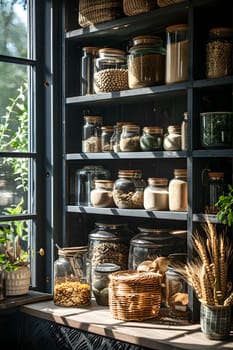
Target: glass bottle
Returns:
[184, 133]
[102, 194]
[87, 69]
[172, 139]
[130, 138]
[215, 189]
[146, 62]
[91, 134]
[178, 191]
[128, 189]
[106, 134]
[219, 48]
[176, 53]
[151, 139]
[156, 194]
[71, 281]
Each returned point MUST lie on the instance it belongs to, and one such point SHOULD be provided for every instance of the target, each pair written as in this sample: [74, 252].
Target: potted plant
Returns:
[225, 207]
[209, 275]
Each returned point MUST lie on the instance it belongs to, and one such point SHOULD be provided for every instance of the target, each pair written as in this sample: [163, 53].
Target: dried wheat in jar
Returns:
[178, 191]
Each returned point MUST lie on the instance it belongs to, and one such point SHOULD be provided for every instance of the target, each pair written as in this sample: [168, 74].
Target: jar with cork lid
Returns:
[156, 194]
[130, 138]
[151, 139]
[91, 134]
[172, 139]
[178, 191]
[106, 134]
[102, 196]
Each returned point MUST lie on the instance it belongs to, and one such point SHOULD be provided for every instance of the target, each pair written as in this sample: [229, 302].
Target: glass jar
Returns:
[101, 281]
[106, 134]
[87, 69]
[214, 189]
[177, 53]
[85, 182]
[111, 71]
[115, 139]
[128, 189]
[219, 52]
[172, 139]
[151, 139]
[156, 194]
[178, 191]
[101, 195]
[146, 62]
[216, 129]
[184, 133]
[71, 282]
[91, 134]
[130, 138]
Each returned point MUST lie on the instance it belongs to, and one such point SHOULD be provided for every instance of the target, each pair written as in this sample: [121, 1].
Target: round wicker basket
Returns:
[135, 7]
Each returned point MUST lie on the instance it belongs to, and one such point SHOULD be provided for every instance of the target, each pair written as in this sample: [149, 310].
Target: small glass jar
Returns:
[146, 62]
[106, 134]
[219, 49]
[130, 138]
[184, 133]
[116, 136]
[214, 189]
[71, 282]
[87, 69]
[151, 139]
[101, 195]
[172, 139]
[128, 189]
[101, 281]
[156, 194]
[111, 71]
[178, 191]
[216, 129]
[177, 53]
[91, 134]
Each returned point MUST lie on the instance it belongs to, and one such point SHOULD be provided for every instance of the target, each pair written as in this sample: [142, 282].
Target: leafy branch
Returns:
[225, 207]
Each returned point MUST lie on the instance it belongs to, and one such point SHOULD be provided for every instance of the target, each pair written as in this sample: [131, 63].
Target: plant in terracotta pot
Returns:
[209, 275]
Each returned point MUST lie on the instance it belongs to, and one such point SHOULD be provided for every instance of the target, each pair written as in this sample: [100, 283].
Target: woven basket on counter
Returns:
[134, 295]
[135, 7]
[97, 11]
[164, 3]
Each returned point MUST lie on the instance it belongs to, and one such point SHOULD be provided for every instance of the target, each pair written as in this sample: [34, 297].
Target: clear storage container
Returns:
[130, 138]
[151, 139]
[91, 134]
[172, 139]
[178, 191]
[156, 194]
[215, 188]
[106, 134]
[102, 194]
[87, 69]
[116, 136]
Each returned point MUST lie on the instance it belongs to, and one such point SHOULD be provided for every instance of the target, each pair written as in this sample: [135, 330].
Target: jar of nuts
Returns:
[71, 282]
[111, 73]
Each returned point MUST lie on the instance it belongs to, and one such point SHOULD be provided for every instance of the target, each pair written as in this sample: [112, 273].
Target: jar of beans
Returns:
[146, 62]
[130, 138]
[219, 52]
[111, 73]
[151, 139]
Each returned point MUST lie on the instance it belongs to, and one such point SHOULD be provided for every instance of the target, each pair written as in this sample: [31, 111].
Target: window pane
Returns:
[13, 28]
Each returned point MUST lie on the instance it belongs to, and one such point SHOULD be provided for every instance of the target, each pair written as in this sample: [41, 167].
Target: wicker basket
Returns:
[164, 3]
[97, 11]
[134, 295]
[135, 7]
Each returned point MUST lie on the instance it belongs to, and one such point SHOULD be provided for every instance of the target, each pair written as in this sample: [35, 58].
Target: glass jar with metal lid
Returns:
[172, 139]
[130, 138]
[91, 134]
[71, 279]
[219, 49]
[106, 134]
[128, 189]
[101, 195]
[151, 139]
[111, 72]
[156, 194]
[177, 53]
[146, 62]
[178, 191]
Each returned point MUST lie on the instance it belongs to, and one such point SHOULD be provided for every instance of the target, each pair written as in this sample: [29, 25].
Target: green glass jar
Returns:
[151, 139]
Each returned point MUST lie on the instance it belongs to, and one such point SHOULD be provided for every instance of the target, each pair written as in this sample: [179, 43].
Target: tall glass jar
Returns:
[156, 194]
[101, 195]
[178, 191]
[71, 281]
[184, 132]
[130, 138]
[214, 189]
[146, 62]
[87, 69]
[128, 189]
[219, 49]
[177, 53]
[111, 71]
[151, 139]
[172, 139]
[106, 134]
[91, 134]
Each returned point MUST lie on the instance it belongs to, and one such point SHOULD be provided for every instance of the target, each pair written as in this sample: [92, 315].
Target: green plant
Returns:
[225, 207]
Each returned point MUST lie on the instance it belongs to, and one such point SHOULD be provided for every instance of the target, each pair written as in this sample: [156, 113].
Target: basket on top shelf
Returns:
[135, 7]
[134, 295]
[164, 3]
[97, 11]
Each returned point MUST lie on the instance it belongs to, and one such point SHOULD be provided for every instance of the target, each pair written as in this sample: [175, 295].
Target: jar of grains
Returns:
[91, 134]
[176, 53]
[130, 138]
[71, 280]
[172, 139]
[151, 139]
[178, 191]
[101, 195]
[146, 62]
[128, 189]
[219, 52]
[106, 134]
[156, 194]
[111, 72]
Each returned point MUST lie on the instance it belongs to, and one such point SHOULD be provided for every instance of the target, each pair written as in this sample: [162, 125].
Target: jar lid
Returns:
[104, 184]
[91, 49]
[107, 128]
[221, 30]
[157, 181]
[130, 173]
[174, 128]
[146, 39]
[216, 175]
[131, 127]
[180, 172]
[153, 129]
[94, 118]
[107, 267]
[124, 123]
[176, 27]
[111, 51]
[72, 251]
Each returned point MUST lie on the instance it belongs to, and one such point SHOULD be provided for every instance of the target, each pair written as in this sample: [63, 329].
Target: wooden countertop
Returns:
[162, 333]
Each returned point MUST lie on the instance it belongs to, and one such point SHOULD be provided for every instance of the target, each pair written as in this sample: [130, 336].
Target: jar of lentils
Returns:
[128, 189]
[156, 194]
[111, 71]
[130, 138]
[151, 139]
[219, 52]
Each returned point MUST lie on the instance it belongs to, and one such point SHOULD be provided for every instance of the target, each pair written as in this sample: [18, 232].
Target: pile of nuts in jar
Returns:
[71, 293]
